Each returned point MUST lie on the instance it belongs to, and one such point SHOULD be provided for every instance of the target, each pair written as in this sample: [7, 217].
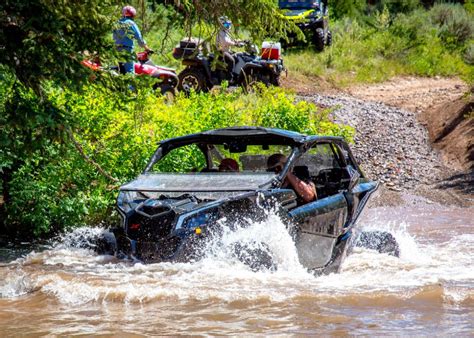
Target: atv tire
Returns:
[257, 258]
[192, 79]
[166, 90]
[318, 39]
[381, 241]
[251, 78]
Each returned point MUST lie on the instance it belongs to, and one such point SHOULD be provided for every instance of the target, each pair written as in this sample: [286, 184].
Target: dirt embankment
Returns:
[414, 135]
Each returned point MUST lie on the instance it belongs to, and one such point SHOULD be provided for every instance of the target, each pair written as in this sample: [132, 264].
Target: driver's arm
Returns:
[307, 191]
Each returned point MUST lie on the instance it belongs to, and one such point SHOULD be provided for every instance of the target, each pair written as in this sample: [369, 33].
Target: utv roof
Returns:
[248, 135]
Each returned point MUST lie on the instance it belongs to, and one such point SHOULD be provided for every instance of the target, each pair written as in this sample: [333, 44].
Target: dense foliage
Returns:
[64, 145]
[56, 187]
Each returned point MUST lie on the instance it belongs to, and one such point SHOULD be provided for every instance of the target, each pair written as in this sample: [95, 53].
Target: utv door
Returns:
[319, 224]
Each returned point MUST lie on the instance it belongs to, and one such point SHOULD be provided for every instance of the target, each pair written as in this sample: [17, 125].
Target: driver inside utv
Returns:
[224, 42]
[304, 188]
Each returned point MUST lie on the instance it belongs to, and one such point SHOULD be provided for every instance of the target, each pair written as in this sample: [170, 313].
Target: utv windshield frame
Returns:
[255, 136]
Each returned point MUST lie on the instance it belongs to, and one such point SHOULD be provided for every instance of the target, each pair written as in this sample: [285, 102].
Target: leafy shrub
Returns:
[401, 6]
[456, 25]
[56, 188]
[347, 8]
[469, 55]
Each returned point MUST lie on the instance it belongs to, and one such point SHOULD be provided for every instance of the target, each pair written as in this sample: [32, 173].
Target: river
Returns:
[429, 290]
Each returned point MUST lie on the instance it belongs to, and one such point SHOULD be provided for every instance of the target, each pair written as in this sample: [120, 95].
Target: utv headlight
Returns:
[200, 219]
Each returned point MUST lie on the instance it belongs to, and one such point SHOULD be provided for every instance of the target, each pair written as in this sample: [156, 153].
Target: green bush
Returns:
[469, 55]
[57, 188]
[456, 25]
[401, 6]
[346, 8]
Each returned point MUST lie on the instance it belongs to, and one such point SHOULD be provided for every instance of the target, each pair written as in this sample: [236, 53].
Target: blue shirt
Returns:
[125, 32]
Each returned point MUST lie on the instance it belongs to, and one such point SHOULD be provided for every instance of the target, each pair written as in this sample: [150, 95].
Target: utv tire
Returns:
[275, 81]
[329, 38]
[318, 39]
[106, 244]
[256, 258]
[381, 241]
[192, 78]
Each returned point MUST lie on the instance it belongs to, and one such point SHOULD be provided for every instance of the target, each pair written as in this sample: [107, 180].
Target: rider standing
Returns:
[124, 35]
[224, 41]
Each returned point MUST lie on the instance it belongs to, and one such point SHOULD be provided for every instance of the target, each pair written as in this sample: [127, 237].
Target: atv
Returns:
[166, 78]
[205, 70]
[311, 16]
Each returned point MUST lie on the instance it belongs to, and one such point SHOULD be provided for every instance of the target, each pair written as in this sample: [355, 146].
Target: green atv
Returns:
[311, 16]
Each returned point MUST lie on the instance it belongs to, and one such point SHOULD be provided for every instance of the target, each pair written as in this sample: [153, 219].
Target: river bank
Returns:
[392, 141]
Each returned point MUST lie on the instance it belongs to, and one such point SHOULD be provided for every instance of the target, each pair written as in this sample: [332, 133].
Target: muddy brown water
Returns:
[429, 290]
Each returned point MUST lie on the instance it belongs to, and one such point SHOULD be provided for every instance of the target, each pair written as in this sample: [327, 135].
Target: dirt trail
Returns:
[392, 120]
[414, 94]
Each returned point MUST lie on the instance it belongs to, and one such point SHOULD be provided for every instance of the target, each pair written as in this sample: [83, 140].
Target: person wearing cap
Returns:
[124, 34]
[229, 164]
[305, 189]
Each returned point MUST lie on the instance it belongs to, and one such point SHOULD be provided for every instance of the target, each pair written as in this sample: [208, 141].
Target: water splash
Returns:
[74, 275]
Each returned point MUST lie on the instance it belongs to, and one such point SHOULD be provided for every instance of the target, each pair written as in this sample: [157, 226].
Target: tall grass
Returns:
[425, 43]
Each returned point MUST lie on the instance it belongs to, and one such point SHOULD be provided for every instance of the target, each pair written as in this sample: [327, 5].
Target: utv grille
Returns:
[142, 227]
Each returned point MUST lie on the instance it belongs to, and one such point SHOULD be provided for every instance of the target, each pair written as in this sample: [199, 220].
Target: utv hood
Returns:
[199, 182]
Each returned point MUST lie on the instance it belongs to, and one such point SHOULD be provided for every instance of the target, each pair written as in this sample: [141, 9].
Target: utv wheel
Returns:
[106, 244]
[318, 39]
[192, 79]
[257, 257]
[329, 38]
[381, 241]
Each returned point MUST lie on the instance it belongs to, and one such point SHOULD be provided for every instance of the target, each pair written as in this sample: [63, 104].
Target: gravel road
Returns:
[390, 144]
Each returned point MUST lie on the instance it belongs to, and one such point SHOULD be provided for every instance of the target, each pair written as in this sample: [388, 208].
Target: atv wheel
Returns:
[381, 241]
[192, 79]
[167, 90]
[251, 78]
[318, 39]
[258, 257]
[329, 38]
[275, 81]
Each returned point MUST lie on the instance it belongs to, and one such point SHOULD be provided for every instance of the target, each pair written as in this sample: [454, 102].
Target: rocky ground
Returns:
[391, 144]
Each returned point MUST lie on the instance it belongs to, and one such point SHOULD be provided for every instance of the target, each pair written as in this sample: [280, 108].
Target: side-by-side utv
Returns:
[311, 16]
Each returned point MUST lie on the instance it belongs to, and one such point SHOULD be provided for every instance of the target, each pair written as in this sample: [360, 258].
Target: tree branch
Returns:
[87, 158]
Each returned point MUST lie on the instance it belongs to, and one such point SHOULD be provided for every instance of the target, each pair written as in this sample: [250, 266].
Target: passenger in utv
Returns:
[229, 164]
[304, 188]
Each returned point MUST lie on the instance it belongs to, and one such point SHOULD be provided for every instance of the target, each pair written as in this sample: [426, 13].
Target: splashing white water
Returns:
[77, 276]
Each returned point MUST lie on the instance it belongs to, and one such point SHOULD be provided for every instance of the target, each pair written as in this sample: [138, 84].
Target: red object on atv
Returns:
[95, 66]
